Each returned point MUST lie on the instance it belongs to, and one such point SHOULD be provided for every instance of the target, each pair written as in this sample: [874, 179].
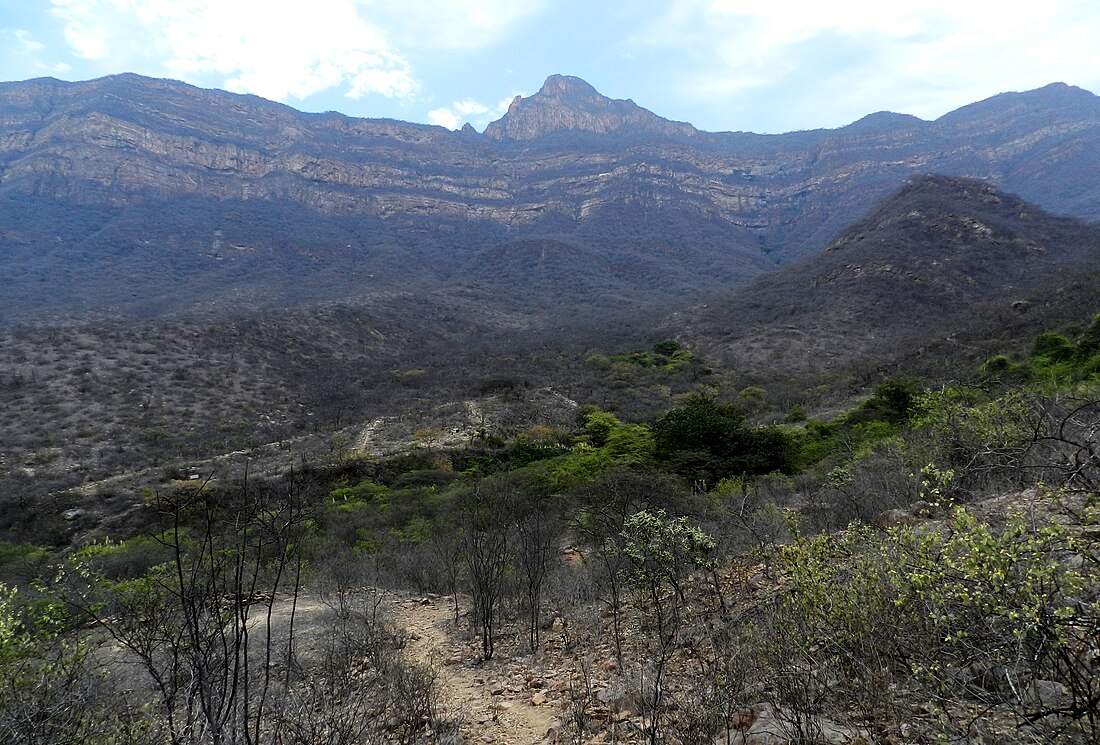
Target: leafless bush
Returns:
[220, 635]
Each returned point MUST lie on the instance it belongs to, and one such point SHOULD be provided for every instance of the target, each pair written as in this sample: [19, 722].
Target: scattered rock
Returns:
[764, 725]
[1047, 693]
[757, 582]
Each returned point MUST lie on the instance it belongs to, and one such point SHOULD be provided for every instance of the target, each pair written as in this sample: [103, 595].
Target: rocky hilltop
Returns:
[127, 169]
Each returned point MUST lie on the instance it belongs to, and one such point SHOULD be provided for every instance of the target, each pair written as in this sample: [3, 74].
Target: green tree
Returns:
[893, 402]
[701, 438]
[660, 552]
[701, 425]
[667, 347]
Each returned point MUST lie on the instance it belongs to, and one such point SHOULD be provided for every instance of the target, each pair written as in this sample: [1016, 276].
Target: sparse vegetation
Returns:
[728, 569]
[461, 449]
[897, 545]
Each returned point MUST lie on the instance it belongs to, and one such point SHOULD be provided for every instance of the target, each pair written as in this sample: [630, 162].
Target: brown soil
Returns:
[500, 701]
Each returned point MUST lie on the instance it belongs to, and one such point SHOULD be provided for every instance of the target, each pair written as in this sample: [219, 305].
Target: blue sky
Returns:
[770, 66]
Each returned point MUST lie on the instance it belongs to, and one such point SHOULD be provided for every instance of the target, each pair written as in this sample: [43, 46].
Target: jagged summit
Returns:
[568, 103]
[568, 86]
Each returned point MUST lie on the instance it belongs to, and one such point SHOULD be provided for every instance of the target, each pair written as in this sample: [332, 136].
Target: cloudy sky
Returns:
[769, 66]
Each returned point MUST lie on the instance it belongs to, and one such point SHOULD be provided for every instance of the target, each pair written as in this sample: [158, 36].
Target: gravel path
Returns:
[494, 706]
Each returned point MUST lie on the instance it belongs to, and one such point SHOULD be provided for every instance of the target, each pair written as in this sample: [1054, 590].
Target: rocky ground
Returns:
[571, 691]
[506, 700]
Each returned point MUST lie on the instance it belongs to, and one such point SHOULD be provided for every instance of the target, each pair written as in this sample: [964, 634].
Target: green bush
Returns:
[667, 347]
[1090, 340]
[1052, 347]
[14, 555]
[612, 446]
[966, 612]
[428, 477]
[364, 491]
[998, 366]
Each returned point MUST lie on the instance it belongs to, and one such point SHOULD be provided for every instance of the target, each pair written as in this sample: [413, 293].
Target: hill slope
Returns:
[926, 262]
[115, 193]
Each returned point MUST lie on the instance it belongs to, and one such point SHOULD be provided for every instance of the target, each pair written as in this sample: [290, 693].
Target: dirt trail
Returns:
[494, 705]
[365, 439]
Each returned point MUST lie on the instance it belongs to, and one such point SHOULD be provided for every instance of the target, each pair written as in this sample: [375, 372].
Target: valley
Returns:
[592, 427]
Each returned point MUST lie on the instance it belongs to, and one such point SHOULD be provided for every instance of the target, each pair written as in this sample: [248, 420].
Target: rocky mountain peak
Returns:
[567, 103]
[569, 86]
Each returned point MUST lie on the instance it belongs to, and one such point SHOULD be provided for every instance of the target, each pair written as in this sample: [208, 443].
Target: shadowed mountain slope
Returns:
[924, 263]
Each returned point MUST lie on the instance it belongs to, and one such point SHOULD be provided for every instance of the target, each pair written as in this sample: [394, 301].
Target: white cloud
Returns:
[273, 48]
[393, 83]
[469, 110]
[448, 25]
[24, 42]
[922, 57]
[22, 52]
[284, 49]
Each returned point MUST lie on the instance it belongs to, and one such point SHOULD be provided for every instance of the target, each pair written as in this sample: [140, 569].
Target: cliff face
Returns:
[566, 161]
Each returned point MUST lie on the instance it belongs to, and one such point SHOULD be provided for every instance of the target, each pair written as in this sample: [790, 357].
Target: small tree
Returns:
[538, 535]
[486, 520]
[201, 625]
[603, 511]
[660, 552]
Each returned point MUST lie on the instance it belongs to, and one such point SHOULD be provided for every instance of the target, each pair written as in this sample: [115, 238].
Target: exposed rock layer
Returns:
[708, 209]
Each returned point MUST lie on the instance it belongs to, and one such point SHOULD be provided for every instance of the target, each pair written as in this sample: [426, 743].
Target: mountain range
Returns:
[134, 197]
